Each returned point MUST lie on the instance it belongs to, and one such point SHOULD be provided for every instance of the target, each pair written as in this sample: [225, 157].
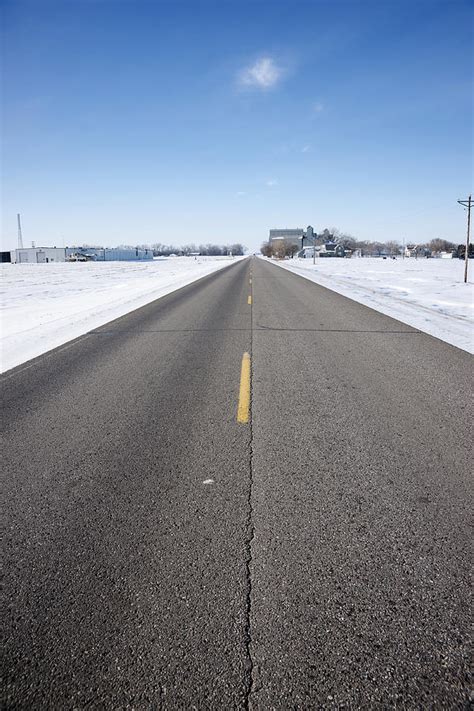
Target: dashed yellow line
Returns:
[249, 300]
[243, 411]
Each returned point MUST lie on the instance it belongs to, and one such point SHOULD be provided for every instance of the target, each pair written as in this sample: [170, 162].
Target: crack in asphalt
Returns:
[163, 330]
[333, 330]
[250, 534]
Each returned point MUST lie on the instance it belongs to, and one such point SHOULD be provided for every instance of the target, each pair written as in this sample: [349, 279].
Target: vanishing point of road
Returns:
[251, 493]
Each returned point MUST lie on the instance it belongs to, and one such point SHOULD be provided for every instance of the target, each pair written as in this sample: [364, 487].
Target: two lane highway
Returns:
[165, 551]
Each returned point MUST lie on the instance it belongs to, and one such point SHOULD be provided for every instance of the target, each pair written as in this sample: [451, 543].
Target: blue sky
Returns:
[138, 122]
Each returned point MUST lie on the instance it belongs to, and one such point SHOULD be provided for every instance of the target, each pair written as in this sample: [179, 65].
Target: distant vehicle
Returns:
[79, 257]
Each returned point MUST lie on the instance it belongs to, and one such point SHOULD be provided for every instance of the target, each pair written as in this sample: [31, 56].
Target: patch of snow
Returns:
[46, 305]
[436, 300]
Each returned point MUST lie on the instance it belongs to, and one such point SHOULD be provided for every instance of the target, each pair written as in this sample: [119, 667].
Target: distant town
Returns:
[330, 242]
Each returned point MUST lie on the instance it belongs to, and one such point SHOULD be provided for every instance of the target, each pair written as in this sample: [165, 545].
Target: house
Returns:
[329, 249]
[415, 250]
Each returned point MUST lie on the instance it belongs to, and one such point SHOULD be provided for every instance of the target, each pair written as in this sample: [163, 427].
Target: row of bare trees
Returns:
[164, 250]
[372, 248]
[279, 250]
[210, 250]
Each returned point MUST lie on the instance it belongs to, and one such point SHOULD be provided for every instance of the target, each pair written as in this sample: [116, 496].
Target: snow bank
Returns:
[46, 305]
[428, 294]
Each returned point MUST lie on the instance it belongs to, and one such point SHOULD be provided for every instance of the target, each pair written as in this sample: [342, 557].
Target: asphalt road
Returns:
[161, 554]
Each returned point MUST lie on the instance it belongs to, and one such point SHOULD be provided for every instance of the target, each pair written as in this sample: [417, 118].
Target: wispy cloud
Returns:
[306, 148]
[263, 74]
[241, 193]
[317, 107]
[271, 183]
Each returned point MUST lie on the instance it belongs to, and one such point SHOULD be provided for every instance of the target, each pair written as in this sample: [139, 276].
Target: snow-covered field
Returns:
[428, 294]
[46, 305]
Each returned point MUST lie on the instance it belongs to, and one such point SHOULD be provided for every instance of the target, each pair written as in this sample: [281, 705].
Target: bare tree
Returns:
[290, 250]
[393, 248]
[279, 250]
[441, 245]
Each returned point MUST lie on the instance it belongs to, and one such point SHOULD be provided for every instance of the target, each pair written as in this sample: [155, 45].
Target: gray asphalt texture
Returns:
[325, 566]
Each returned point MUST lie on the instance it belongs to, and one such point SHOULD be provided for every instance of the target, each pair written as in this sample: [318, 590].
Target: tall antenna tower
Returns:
[20, 237]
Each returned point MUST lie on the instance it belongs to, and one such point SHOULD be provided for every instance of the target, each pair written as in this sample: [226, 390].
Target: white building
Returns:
[46, 255]
[38, 255]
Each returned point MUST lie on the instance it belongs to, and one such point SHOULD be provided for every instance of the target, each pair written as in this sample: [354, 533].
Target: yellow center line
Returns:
[243, 411]
[249, 300]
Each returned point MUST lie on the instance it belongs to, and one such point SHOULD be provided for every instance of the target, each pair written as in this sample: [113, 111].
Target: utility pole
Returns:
[467, 203]
[20, 236]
